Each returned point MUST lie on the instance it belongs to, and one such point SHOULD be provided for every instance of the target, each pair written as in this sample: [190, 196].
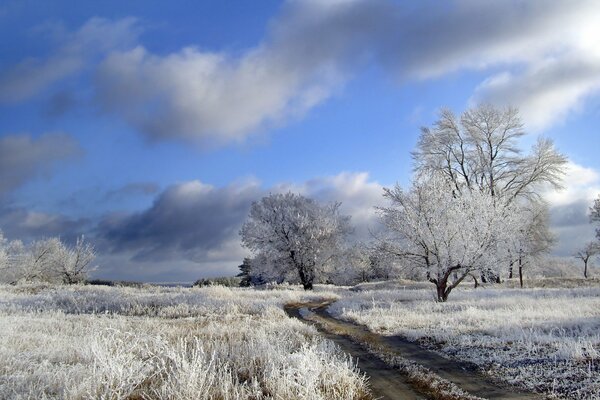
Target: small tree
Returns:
[45, 260]
[448, 235]
[73, 264]
[532, 241]
[245, 273]
[295, 233]
[590, 250]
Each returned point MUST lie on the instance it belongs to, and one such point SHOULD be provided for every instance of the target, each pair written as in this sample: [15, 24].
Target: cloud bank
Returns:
[549, 62]
[540, 56]
[193, 222]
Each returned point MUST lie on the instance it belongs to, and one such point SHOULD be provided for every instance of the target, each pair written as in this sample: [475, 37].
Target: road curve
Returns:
[390, 383]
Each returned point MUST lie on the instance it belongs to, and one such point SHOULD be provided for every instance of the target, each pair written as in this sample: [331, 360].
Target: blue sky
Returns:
[150, 126]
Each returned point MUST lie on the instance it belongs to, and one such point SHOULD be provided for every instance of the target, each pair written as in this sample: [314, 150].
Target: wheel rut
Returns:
[411, 372]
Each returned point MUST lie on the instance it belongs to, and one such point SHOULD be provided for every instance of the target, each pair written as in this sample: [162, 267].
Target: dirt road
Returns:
[419, 373]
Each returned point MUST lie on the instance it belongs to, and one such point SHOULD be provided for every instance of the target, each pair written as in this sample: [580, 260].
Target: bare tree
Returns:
[449, 236]
[590, 250]
[295, 233]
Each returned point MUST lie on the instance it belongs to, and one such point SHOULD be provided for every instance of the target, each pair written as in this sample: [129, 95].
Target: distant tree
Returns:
[590, 250]
[355, 266]
[595, 215]
[73, 264]
[4, 257]
[45, 260]
[532, 241]
[479, 151]
[447, 235]
[294, 233]
[245, 271]
[38, 261]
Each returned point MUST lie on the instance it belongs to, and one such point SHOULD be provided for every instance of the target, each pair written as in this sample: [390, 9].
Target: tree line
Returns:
[474, 211]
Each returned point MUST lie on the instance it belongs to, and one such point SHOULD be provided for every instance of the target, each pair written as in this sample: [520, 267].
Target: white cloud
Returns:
[580, 184]
[548, 91]
[544, 56]
[313, 47]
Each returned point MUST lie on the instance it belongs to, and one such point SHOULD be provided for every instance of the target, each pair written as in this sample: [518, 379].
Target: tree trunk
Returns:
[442, 292]
[510, 270]
[520, 269]
[306, 279]
[306, 276]
[521, 276]
[585, 263]
[476, 284]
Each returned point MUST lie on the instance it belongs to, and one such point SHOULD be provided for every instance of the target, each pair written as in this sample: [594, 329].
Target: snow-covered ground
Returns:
[544, 339]
[85, 342]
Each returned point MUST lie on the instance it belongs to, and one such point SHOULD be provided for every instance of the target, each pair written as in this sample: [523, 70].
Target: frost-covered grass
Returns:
[542, 339]
[165, 343]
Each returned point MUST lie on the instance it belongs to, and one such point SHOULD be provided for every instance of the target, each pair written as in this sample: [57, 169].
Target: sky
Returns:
[150, 127]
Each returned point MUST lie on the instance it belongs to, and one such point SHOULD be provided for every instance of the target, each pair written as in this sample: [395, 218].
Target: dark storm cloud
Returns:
[27, 225]
[188, 221]
[196, 222]
[23, 157]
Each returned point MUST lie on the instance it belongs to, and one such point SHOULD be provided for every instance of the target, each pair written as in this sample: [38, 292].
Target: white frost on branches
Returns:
[45, 260]
[293, 234]
[448, 235]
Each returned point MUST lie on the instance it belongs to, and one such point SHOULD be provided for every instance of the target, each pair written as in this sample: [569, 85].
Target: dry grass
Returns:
[152, 343]
[545, 340]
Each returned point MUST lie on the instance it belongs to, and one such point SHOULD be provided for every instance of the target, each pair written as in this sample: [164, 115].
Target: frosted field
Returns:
[545, 340]
[165, 343]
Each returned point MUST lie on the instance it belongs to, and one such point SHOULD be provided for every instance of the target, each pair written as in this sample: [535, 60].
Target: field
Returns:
[79, 342]
[543, 339]
[165, 343]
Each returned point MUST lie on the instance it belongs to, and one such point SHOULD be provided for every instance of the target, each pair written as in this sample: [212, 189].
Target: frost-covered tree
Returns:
[4, 258]
[479, 151]
[532, 241]
[292, 233]
[45, 260]
[38, 260]
[73, 264]
[595, 215]
[447, 235]
[589, 251]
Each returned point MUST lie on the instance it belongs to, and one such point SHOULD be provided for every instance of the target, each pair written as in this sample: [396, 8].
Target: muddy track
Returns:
[401, 383]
